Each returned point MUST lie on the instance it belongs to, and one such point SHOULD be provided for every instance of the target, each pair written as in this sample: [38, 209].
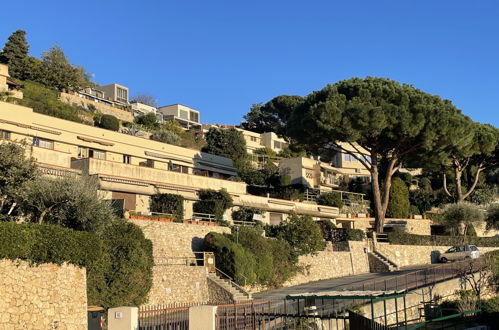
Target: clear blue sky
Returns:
[222, 56]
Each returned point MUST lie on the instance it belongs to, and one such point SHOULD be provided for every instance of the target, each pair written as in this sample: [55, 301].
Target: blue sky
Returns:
[220, 57]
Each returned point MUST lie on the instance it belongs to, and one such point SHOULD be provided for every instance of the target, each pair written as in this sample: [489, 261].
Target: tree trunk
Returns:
[379, 214]
[459, 192]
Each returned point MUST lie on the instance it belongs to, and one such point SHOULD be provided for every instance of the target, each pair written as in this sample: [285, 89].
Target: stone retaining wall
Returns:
[406, 255]
[178, 284]
[329, 264]
[47, 296]
[171, 239]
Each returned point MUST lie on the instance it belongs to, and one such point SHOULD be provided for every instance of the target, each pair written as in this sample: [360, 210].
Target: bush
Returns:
[123, 276]
[148, 121]
[330, 199]
[398, 205]
[301, 232]
[168, 203]
[402, 238]
[414, 210]
[458, 218]
[492, 217]
[326, 227]
[45, 100]
[166, 136]
[109, 122]
[49, 244]
[245, 213]
[213, 202]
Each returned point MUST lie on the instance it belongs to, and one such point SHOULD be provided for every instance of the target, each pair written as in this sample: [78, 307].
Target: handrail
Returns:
[379, 248]
[208, 217]
[444, 318]
[233, 282]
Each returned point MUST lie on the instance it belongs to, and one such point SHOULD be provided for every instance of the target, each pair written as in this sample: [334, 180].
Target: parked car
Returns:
[459, 252]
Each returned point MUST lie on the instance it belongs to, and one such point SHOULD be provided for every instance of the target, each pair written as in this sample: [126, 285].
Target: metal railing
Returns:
[206, 217]
[168, 316]
[199, 259]
[221, 274]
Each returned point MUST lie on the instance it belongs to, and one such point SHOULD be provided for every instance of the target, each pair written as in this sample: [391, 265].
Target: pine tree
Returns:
[15, 54]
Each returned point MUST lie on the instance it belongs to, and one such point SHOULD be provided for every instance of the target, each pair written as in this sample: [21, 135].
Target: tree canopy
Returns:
[227, 143]
[391, 121]
[15, 54]
[146, 99]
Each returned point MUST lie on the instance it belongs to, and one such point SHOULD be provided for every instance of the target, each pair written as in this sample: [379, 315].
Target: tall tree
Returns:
[62, 75]
[389, 120]
[227, 143]
[15, 54]
[271, 116]
[469, 145]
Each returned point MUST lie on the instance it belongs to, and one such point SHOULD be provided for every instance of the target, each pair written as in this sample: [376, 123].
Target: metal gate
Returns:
[164, 317]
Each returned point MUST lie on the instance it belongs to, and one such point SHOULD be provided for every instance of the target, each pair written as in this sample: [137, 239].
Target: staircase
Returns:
[225, 282]
[388, 265]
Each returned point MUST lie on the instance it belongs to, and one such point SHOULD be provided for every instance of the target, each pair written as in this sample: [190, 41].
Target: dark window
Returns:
[4, 134]
[147, 163]
[42, 143]
[127, 159]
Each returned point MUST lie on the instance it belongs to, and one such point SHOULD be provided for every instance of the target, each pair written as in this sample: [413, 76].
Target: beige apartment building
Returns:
[269, 140]
[187, 117]
[7, 85]
[132, 169]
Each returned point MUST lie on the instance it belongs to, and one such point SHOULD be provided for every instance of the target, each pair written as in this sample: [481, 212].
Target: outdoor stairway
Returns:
[238, 293]
[390, 265]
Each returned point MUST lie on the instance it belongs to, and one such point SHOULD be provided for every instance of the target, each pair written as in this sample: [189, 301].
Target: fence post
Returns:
[202, 317]
[123, 318]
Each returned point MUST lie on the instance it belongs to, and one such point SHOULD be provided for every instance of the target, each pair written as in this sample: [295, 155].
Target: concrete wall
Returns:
[329, 264]
[47, 296]
[413, 226]
[178, 284]
[406, 255]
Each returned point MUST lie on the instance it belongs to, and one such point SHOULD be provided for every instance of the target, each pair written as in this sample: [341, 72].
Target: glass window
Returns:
[82, 152]
[99, 154]
[277, 144]
[42, 143]
[253, 138]
[184, 114]
[127, 159]
[147, 163]
[4, 134]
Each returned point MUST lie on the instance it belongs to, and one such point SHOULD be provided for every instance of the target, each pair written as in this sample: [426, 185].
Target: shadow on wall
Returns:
[435, 256]
[197, 244]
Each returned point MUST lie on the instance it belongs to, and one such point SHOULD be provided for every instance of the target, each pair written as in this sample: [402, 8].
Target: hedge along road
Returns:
[406, 278]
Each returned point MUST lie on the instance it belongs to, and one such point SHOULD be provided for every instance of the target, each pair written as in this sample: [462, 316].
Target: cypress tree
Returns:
[15, 54]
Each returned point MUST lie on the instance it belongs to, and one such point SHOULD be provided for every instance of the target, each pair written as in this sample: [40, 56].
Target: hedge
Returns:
[40, 244]
[168, 203]
[109, 122]
[402, 238]
[330, 199]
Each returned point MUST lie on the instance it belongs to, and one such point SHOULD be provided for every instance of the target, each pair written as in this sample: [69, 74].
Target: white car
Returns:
[459, 252]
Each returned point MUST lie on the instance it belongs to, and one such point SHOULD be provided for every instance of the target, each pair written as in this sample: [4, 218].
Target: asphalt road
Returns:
[369, 281]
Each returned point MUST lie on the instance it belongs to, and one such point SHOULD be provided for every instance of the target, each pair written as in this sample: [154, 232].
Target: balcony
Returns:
[146, 180]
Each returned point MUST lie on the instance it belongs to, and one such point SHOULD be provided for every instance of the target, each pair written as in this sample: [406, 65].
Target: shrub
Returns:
[168, 203]
[492, 217]
[458, 218]
[166, 136]
[330, 199]
[398, 205]
[213, 202]
[302, 233]
[355, 234]
[232, 258]
[109, 122]
[148, 121]
[245, 213]
[414, 210]
[48, 244]
[402, 238]
[326, 227]
[123, 277]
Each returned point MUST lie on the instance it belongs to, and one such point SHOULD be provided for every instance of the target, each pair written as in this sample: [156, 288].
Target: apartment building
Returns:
[350, 163]
[132, 169]
[140, 109]
[7, 85]
[115, 93]
[187, 117]
[269, 140]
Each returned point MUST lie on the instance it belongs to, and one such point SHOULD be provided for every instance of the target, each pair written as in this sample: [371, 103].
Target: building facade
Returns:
[187, 117]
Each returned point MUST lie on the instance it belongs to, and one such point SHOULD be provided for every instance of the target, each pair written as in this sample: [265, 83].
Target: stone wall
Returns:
[218, 295]
[329, 264]
[47, 296]
[413, 226]
[406, 255]
[172, 239]
[178, 284]
[102, 108]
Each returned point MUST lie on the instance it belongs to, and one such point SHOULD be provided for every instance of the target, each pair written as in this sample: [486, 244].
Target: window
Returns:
[184, 114]
[121, 94]
[42, 143]
[309, 175]
[194, 116]
[99, 154]
[4, 134]
[277, 145]
[147, 163]
[82, 152]
[253, 138]
[127, 159]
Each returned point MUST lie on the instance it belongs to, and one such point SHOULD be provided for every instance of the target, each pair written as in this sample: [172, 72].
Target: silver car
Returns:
[459, 252]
